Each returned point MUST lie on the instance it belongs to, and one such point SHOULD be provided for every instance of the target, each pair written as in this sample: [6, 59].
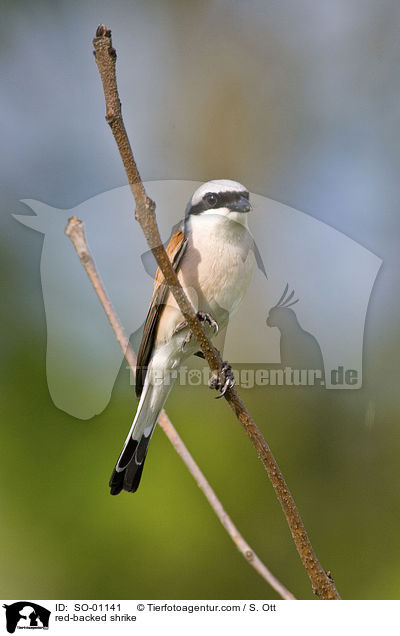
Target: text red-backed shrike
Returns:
[213, 255]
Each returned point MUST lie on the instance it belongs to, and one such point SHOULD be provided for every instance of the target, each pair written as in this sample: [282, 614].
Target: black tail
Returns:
[128, 471]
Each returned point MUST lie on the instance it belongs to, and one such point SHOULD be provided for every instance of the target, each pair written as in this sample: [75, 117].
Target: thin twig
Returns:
[105, 56]
[76, 232]
[219, 510]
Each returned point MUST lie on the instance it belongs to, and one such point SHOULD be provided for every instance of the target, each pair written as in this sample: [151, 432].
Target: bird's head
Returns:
[281, 314]
[227, 198]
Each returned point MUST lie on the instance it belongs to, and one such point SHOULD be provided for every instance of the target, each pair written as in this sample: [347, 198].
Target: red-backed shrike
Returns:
[213, 255]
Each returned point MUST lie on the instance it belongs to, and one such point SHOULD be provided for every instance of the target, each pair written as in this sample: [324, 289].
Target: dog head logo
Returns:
[26, 615]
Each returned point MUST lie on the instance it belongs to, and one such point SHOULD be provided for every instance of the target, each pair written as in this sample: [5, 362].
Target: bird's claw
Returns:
[223, 380]
[203, 317]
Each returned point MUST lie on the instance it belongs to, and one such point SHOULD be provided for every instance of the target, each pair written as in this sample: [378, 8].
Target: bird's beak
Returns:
[242, 205]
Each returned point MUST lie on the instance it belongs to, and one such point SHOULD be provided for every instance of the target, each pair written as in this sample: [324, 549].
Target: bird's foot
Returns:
[223, 380]
[203, 317]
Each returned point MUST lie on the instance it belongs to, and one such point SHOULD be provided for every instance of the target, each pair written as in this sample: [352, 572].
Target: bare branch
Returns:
[219, 510]
[105, 56]
[76, 232]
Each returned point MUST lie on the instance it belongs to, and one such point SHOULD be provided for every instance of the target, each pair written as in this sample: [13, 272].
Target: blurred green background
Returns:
[299, 101]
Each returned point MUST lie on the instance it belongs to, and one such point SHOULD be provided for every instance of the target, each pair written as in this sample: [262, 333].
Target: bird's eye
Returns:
[212, 199]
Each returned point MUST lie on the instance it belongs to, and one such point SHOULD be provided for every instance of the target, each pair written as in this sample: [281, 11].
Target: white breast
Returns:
[215, 270]
[219, 263]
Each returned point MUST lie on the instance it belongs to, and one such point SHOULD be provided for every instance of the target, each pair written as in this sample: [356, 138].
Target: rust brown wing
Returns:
[175, 250]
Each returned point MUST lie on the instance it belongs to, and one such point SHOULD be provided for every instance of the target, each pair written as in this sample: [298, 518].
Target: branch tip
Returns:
[74, 224]
[102, 31]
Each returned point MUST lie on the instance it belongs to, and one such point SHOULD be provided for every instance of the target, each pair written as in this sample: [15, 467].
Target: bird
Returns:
[213, 254]
[299, 349]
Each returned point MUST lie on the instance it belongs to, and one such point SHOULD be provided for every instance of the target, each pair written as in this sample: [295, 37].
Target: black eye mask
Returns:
[224, 200]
